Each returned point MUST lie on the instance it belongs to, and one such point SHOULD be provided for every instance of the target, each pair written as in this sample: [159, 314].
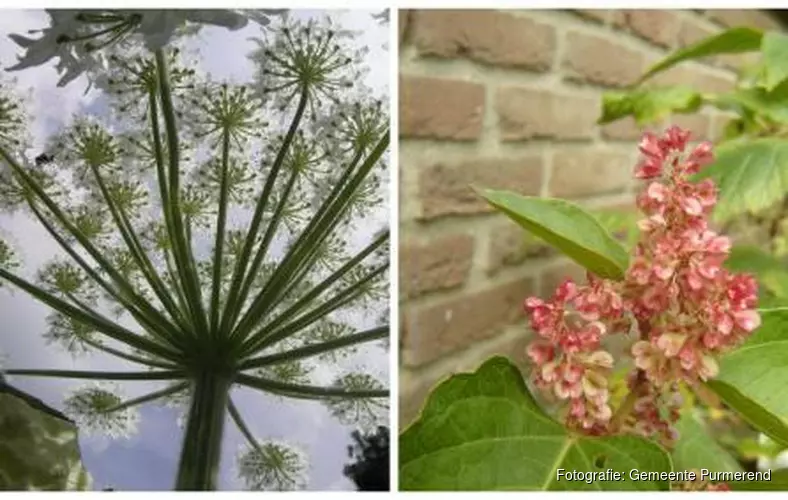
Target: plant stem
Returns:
[198, 468]
[623, 411]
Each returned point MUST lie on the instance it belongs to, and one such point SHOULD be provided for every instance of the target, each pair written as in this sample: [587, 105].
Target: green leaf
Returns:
[777, 482]
[751, 175]
[732, 41]
[752, 412]
[753, 378]
[769, 270]
[696, 449]
[770, 105]
[649, 105]
[567, 227]
[482, 431]
[774, 49]
[39, 448]
[622, 224]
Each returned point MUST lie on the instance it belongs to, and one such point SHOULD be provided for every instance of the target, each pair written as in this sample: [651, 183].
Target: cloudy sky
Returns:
[148, 460]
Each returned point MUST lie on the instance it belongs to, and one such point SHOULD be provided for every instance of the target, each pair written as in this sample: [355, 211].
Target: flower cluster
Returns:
[683, 305]
[76, 37]
[571, 362]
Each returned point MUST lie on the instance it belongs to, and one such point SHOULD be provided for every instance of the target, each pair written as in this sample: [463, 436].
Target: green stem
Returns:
[183, 252]
[161, 333]
[308, 390]
[153, 396]
[149, 375]
[138, 253]
[312, 295]
[127, 356]
[312, 236]
[198, 468]
[95, 320]
[235, 301]
[115, 352]
[152, 315]
[266, 337]
[317, 349]
[270, 231]
[239, 422]
[219, 243]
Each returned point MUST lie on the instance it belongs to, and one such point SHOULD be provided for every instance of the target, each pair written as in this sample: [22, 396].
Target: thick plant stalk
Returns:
[198, 468]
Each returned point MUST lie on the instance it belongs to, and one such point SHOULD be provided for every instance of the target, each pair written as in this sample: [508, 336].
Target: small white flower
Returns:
[76, 37]
[365, 413]
[273, 466]
[88, 407]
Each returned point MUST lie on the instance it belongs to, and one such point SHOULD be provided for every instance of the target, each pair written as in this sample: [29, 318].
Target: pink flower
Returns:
[686, 306]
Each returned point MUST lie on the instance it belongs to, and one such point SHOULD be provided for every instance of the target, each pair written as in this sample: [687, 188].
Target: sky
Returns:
[148, 460]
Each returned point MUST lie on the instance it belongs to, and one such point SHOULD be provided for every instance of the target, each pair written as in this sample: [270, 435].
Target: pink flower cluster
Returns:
[684, 306]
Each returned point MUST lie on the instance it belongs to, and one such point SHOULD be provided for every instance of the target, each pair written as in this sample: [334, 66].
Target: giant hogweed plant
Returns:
[208, 232]
[619, 363]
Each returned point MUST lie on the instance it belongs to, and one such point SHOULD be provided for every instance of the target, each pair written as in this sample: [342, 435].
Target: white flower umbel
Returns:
[273, 466]
[76, 37]
[364, 413]
[14, 119]
[93, 409]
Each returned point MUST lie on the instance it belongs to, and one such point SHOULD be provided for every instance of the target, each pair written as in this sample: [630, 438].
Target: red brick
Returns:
[625, 129]
[598, 15]
[440, 109]
[485, 36]
[578, 174]
[540, 114]
[697, 77]
[441, 264]
[444, 328]
[554, 276]
[510, 245]
[660, 27]
[447, 190]
[752, 18]
[599, 61]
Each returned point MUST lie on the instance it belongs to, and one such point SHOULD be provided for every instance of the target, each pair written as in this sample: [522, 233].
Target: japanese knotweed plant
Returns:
[750, 164]
[212, 233]
[619, 363]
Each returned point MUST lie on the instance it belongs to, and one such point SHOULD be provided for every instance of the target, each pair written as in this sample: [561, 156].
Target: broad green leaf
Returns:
[567, 227]
[649, 105]
[482, 431]
[696, 449]
[39, 449]
[752, 412]
[775, 59]
[622, 224]
[777, 482]
[769, 270]
[751, 175]
[732, 41]
[753, 377]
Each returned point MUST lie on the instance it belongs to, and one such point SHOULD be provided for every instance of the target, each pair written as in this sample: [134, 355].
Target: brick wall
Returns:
[509, 99]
